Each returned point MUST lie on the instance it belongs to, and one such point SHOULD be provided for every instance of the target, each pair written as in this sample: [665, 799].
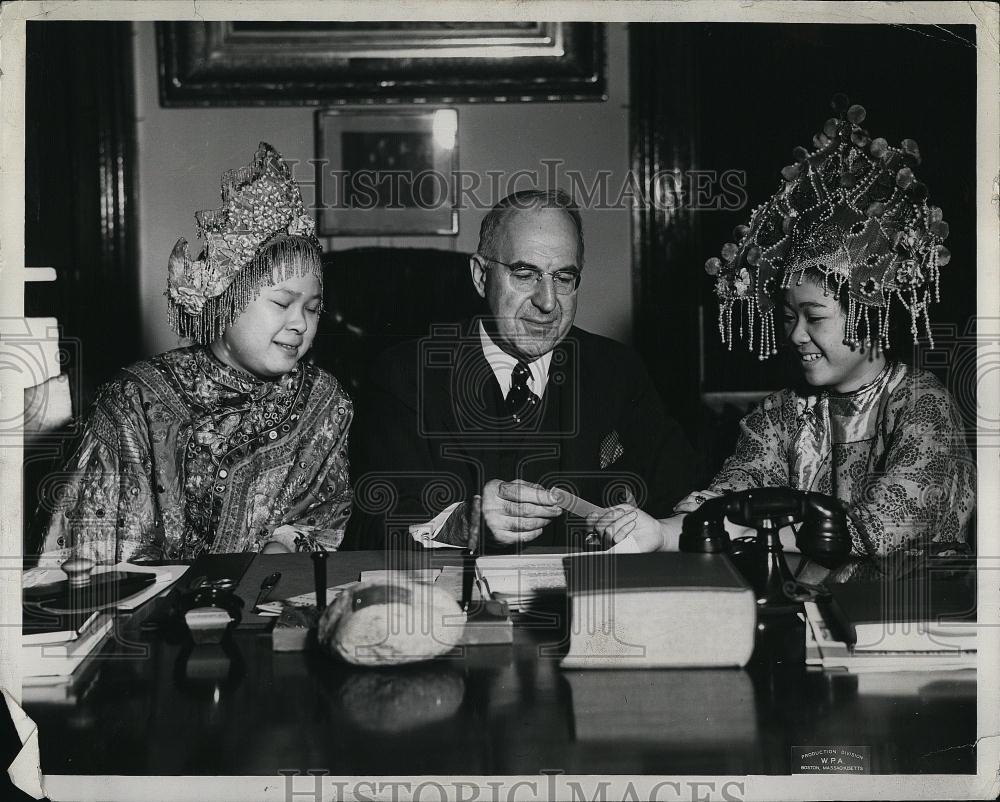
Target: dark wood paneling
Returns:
[79, 162]
[79, 217]
[718, 97]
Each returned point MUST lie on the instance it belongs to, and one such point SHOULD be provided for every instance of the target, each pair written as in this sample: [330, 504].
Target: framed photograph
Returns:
[289, 63]
[381, 173]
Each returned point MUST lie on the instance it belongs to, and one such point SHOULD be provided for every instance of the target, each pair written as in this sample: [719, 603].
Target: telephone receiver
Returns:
[822, 537]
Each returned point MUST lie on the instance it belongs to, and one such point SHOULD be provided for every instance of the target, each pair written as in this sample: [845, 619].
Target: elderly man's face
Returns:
[530, 323]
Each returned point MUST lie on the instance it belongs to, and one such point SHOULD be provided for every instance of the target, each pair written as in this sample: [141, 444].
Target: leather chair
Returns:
[376, 297]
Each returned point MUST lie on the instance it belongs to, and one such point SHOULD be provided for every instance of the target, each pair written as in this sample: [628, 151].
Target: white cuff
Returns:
[424, 534]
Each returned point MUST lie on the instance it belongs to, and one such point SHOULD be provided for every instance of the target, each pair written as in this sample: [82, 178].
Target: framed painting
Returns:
[287, 63]
[385, 173]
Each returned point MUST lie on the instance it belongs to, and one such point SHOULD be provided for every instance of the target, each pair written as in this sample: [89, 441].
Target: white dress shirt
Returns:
[503, 365]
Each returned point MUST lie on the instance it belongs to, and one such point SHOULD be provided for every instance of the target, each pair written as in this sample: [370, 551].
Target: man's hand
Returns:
[516, 512]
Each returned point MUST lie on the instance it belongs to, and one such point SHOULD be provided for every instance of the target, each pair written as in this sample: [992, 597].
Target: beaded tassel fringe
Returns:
[277, 261]
[768, 343]
[852, 211]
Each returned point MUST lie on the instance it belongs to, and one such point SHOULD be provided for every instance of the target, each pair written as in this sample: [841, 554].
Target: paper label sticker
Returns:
[831, 760]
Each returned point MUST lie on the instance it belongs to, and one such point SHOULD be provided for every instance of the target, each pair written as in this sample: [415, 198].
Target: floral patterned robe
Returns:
[184, 454]
[894, 450]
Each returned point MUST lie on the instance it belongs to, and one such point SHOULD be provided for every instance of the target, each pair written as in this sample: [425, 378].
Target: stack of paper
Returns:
[63, 690]
[273, 609]
[521, 580]
[46, 663]
[920, 646]
[39, 626]
[51, 654]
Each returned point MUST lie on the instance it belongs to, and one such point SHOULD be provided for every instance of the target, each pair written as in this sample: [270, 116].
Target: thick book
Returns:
[664, 610]
[923, 614]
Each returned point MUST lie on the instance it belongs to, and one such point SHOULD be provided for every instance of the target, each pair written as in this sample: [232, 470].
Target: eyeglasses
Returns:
[527, 277]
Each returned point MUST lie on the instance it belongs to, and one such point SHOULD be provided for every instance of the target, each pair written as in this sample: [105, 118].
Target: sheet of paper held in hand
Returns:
[426, 533]
[574, 505]
[519, 579]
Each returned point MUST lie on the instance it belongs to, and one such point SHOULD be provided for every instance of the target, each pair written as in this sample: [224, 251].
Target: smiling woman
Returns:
[235, 443]
[814, 324]
[848, 236]
[276, 330]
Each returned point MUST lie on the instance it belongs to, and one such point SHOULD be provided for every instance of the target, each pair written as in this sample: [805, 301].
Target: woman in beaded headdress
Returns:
[848, 235]
[235, 443]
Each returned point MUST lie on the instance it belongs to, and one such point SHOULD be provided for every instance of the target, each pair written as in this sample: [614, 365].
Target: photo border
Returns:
[12, 276]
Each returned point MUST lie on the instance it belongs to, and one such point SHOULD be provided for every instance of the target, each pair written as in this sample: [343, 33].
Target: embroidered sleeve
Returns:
[103, 505]
[323, 522]
[924, 489]
[759, 459]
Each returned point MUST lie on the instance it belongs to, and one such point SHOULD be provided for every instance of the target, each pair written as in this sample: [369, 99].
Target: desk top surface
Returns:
[155, 707]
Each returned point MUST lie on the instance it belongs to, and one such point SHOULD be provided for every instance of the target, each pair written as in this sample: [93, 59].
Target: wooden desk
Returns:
[493, 710]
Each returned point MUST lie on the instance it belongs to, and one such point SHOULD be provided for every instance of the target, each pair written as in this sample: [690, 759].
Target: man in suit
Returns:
[513, 403]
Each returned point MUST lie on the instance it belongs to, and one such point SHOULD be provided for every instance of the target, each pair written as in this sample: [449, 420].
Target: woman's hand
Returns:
[738, 530]
[614, 524]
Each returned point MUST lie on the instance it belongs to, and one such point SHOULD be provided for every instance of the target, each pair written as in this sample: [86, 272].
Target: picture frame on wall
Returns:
[386, 173]
[330, 63]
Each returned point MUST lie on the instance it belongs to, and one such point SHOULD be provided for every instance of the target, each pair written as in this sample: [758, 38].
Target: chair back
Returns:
[377, 297]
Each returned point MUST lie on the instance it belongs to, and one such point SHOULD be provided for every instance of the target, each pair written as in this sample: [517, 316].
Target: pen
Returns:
[319, 578]
[469, 558]
[269, 584]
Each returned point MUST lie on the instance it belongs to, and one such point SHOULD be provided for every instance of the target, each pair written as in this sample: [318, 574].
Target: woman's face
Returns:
[814, 327]
[275, 331]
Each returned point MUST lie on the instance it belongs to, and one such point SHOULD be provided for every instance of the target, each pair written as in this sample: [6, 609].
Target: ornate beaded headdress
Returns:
[260, 203]
[850, 209]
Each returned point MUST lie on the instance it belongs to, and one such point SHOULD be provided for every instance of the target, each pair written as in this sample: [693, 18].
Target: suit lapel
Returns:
[564, 379]
[473, 406]
[473, 402]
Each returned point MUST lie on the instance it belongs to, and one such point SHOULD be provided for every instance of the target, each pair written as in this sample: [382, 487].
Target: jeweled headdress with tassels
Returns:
[851, 209]
[260, 202]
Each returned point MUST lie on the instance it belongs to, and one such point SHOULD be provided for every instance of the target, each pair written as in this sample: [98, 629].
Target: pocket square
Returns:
[611, 449]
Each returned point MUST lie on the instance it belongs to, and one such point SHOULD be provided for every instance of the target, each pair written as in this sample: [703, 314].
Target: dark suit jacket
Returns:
[432, 430]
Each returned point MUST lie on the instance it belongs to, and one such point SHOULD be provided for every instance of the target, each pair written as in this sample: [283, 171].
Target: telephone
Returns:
[823, 535]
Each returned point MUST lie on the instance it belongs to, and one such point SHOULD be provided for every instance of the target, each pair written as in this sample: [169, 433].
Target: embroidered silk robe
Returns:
[894, 450]
[183, 454]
